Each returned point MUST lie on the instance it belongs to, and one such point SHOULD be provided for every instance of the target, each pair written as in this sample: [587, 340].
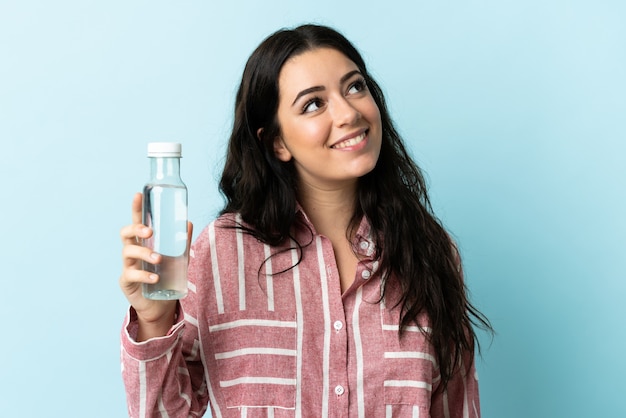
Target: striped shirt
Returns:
[257, 337]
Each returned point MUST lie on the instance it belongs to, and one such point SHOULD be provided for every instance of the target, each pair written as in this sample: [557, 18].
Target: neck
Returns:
[330, 210]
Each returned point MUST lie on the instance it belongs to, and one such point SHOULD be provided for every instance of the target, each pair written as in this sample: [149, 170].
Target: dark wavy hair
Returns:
[413, 248]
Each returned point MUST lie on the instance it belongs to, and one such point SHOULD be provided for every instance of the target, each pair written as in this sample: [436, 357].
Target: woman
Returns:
[326, 287]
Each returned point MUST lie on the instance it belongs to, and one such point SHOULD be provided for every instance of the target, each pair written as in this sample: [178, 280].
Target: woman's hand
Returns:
[155, 317]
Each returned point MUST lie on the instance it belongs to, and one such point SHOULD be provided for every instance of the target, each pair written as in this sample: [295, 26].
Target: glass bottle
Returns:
[165, 211]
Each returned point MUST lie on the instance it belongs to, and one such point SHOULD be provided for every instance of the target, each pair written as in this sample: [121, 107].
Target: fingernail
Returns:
[145, 230]
[154, 256]
[153, 277]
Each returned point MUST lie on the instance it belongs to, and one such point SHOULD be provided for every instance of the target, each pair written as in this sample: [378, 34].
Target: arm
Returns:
[461, 397]
[164, 373]
[161, 363]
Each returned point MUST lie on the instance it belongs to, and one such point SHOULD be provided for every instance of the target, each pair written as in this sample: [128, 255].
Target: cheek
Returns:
[371, 112]
[305, 133]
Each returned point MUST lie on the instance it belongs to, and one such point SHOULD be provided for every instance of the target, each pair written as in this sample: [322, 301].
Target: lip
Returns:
[352, 135]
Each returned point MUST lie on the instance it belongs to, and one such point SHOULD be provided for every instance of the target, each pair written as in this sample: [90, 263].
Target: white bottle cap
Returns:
[164, 149]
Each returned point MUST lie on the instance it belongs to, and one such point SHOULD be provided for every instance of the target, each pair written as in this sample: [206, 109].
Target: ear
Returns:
[281, 151]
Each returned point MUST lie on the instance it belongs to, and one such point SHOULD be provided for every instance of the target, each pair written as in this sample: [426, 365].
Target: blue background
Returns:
[515, 109]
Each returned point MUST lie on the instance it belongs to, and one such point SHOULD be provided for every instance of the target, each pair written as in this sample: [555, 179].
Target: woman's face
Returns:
[329, 123]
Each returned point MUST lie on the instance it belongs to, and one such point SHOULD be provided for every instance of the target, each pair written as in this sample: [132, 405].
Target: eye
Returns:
[357, 87]
[312, 105]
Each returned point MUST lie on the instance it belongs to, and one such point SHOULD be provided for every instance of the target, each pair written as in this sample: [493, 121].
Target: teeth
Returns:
[350, 142]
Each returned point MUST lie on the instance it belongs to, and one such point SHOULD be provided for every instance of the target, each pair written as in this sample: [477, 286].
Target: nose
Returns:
[344, 112]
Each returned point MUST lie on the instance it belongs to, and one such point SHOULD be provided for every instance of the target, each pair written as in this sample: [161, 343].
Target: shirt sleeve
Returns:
[461, 397]
[165, 376]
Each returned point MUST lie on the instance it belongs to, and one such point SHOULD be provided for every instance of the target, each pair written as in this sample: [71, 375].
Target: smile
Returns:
[350, 142]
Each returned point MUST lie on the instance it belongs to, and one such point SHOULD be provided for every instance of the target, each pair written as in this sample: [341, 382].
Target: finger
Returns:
[136, 208]
[189, 234]
[130, 277]
[133, 253]
[130, 234]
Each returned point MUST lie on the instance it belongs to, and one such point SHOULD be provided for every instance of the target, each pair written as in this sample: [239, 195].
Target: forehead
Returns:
[318, 66]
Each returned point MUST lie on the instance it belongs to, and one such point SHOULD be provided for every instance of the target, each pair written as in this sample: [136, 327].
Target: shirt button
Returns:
[339, 390]
[338, 325]
[366, 274]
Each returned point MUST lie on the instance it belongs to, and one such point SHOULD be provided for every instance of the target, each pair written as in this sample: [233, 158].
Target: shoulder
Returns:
[216, 229]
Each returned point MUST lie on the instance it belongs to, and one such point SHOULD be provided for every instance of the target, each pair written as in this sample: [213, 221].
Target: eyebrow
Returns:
[322, 88]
